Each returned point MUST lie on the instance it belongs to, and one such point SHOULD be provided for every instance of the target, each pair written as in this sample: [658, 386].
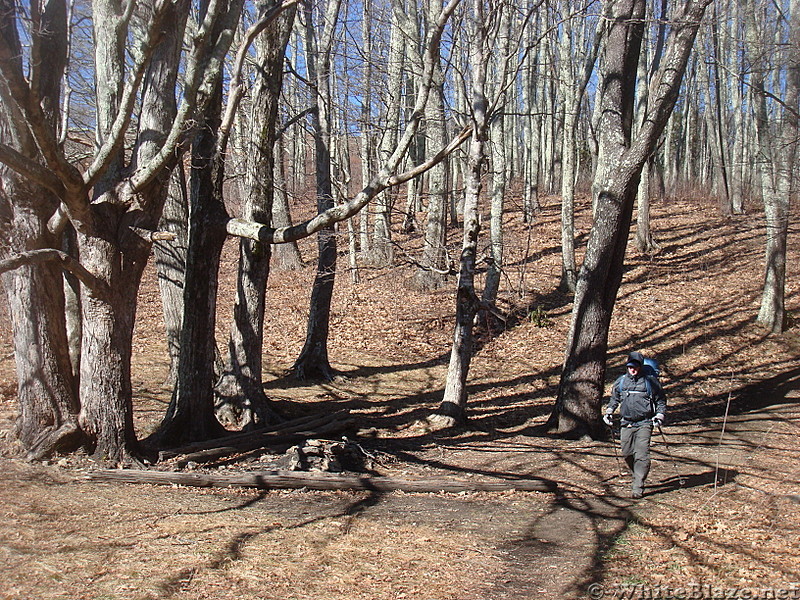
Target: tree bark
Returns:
[285, 257]
[46, 391]
[577, 408]
[240, 398]
[190, 415]
[499, 164]
[777, 143]
[433, 270]
[380, 251]
[170, 262]
[313, 362]
[452, 409]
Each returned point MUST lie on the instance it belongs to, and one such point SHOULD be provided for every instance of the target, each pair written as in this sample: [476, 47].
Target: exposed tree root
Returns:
[65, 438]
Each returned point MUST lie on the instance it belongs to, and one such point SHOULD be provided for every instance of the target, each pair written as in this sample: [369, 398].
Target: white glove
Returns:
[658, 420]
[607, 419]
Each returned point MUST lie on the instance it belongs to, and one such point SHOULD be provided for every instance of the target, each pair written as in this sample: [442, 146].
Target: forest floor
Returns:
[721, 515]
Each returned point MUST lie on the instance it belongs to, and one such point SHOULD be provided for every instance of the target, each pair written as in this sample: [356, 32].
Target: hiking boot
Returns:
[636, 494]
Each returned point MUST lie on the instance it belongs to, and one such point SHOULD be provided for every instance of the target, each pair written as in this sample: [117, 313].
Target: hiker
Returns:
[642, 404]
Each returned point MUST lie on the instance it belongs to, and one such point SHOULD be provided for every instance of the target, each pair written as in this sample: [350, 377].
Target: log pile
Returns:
[245, 443]
[313, 461]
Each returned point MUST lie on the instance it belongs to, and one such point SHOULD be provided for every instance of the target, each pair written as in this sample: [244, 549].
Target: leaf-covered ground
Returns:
[734, 419]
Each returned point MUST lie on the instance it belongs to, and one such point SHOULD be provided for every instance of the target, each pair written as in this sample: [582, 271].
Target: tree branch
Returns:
[32, 170]
[116, 135]
[203, 69]
[35, 120]
[381, 181]
[384, 178]
[68, 263]
[665, 85]
[236, 89]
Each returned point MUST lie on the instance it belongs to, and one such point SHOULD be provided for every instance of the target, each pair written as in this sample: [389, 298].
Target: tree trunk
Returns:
[532, 129]
[571, 105]
[737, 101]
[433, 271]
[285, 257]
[645, 242]
[46, 390]
[452, 409]
[581, 387]
[313, 362]
[644, 237]
[777, 148]
[190, 415]
[380, 251]
[170, 262]
[106, 414]
[240, 398]
[499, 162]
[577, 408]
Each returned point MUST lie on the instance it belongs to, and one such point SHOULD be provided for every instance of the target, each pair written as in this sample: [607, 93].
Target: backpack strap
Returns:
[648, 383]
[618, 383]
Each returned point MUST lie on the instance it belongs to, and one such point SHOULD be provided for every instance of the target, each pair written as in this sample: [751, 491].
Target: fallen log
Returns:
[267, 480]
[250, 444]
[303, 423]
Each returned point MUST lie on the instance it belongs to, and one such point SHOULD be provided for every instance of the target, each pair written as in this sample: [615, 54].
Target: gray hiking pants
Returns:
[635, 448]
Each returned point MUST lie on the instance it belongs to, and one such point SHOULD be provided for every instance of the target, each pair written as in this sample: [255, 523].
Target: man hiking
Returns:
[642, 405]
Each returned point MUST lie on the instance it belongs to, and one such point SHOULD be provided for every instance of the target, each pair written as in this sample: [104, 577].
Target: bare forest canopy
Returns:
[154, 130]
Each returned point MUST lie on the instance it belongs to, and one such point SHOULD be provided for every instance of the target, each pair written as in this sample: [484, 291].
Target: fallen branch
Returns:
[264, 437]
[264, 441]
[266, 480]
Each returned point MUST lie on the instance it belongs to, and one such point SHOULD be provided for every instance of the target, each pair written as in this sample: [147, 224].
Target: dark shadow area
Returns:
[232, 551]
[680, 482]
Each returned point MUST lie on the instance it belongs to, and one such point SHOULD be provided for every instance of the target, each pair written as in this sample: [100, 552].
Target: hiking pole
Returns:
[681, 480]
[616, 453]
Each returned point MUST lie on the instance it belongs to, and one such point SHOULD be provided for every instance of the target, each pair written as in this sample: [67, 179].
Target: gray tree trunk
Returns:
[577, 408]
[287, 256]
[452, 409]
[499, 163]
[240, 398]
[432, 273]
[170, 262]
[46, 390]
[380, 251]
[313, 362]
[777, 142]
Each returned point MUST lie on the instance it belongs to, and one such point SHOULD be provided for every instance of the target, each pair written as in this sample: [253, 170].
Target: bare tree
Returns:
[577, 407]
[240, 398]
[47, 391]
[126, 188]
[776, 91]
[453, 405]
[313, 361]
[434, 255]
